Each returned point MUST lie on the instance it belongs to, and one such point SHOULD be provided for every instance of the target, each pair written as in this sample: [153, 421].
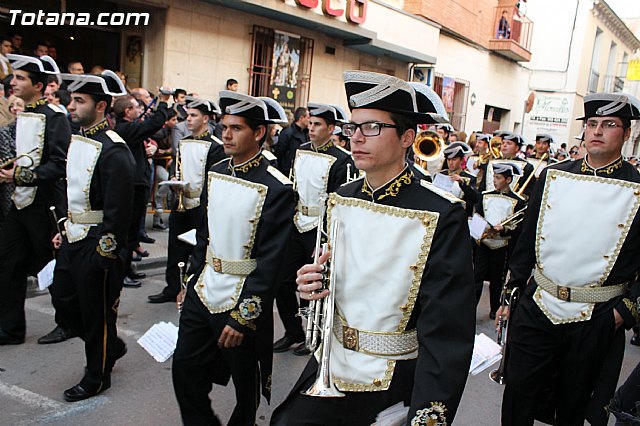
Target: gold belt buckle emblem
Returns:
[564, 293]
[217, 264]
[350, 338]
[305, 210]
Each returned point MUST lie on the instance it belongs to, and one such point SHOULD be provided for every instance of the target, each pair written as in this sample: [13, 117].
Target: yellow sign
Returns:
[633, 70]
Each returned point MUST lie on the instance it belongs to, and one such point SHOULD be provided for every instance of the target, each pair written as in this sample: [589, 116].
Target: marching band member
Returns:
[393, 339]
[90, 267]
[196, 154]
[464, 182]
[319, 167]
[42, 138]
[495, 206]
[226, 326]
[543, 146]
[511, 145]
[566, 337]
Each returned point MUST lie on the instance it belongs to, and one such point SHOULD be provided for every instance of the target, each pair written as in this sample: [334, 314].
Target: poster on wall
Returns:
[284, 72]
[448, 91]
[551, 114]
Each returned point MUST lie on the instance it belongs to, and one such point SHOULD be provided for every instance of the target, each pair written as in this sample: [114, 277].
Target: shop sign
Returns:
[355, 10]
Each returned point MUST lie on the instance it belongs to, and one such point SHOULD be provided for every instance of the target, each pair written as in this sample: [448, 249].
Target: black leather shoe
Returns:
[144, 238]
[301, 350]
[285, 344]
[635, 340]
[6, 339]
[119, 351]
[78, 393]
[161, 298]
[142, 253]
[137, 275]
[128, 282]
[57, 335]
[159, 224]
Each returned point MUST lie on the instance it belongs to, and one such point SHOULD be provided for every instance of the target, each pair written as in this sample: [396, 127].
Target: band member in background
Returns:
[319, 168]
[510, 148]
[464, 182]
[90, 266]
[226, 326]
[393, 338]
[42, 138]
[495, 206]
[542, 149]
[445, 130]
[196, 154]
[566, 337]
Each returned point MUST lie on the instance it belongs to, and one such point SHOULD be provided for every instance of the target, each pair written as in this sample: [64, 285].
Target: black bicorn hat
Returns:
[457, 149]
[106, 84]
[203, 105]
[483, 137]
[446, 127]
[518, 139]
[331, 113]
[618, 105]
[508, 169]
[429, 103]
[383, 92]
[262, 110]
[43, 65]
[543, 137]
[501, 133]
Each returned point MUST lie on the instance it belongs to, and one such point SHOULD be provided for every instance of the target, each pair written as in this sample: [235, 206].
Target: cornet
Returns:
[498, 375]
[180, 190]
[26, 155]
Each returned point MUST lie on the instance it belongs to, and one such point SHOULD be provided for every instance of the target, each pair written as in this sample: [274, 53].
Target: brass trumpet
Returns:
[498, 375]
[428, 149]
[180, 190]
[26, 155]
[510, 222]
[520, 191]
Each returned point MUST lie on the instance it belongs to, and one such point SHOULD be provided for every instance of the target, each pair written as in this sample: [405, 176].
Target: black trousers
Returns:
[179, 251]
[553, 370]
[87, 296]
[354, 409]
[198, 362]
[138, 211]
[491, 264]
[25, 248]
[299, 253]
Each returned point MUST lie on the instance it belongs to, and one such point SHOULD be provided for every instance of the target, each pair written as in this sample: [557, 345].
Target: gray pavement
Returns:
[33, 377]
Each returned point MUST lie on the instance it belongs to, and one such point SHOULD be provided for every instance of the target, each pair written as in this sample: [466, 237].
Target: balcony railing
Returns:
[594, 77]
[512, 34]
[613, 84]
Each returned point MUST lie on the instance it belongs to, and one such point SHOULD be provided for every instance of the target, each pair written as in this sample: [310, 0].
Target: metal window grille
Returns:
[458, 117]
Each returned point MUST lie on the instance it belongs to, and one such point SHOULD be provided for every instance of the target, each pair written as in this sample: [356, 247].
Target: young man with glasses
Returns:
[402, 263]
[319, 168]
[566, 335]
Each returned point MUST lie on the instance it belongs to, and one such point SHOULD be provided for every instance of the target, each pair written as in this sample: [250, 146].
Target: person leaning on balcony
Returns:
[504, 30]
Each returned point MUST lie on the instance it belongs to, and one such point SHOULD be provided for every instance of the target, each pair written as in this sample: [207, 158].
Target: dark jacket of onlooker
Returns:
[289, 141]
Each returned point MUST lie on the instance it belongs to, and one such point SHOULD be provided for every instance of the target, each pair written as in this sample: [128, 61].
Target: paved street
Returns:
[33, 377]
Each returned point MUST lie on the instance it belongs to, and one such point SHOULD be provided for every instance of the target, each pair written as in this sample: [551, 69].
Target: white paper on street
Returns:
[486, 352]
[45, 276]
[396, 415]
[188, 237]
[160, 340]
[477, 226]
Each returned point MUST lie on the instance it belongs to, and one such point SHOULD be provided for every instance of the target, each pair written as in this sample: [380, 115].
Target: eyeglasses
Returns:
[606, 124]
[573, 152]
[372, 128]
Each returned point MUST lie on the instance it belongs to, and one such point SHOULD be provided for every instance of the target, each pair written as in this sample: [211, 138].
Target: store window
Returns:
[281, 66]
[456, 99]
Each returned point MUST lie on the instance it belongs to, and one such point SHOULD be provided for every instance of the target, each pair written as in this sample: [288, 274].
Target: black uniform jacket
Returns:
[111, 187]
[50, 174]
[444, 313]
[134, 133]
[627, 265]
[468, 186]
[273, 232]
[338, 171]
[520, 204]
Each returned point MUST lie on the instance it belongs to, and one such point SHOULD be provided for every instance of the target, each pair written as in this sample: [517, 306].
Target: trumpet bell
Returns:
[319, 389]
[428, 149]
[497, 376]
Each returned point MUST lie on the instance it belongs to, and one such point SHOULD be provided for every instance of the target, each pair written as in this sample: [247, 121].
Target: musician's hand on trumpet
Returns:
[310, 279]
[6, 175]
[502, 314]
[57, 241]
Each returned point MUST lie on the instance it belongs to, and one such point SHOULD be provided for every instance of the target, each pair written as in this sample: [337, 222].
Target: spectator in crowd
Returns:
[16, 42]
[6, 101]
[123, 77]
[143, 95]
[162, 139]
[75, 67]
[573, 152]
[41, 48]
[504, 30]
[53, 52]
[291, 138]
[530, 151]
[562, 155]
[179, 99]
[232, 84]
[5, 48]
[8, 150]
[97, 69]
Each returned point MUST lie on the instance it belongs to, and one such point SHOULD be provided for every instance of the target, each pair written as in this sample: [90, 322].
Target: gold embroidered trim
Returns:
[262, 195]
[432, 416]
[633, 308]
[323, 148]
[378, 384]
[104, 124]
[202, 136]
[32, 105]
[193, 192]
[584, 315]
[606, 170]
[393, 189]
[30, 192]
[330, 159]
[248, 165]
[247, 323]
